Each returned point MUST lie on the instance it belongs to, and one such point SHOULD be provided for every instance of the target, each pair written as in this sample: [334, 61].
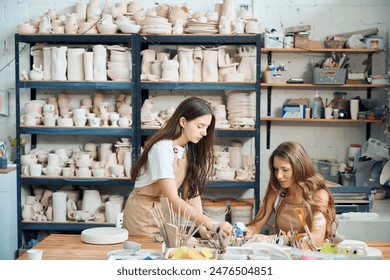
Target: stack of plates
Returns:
[201, 27]
[156, 25]
[241, 105]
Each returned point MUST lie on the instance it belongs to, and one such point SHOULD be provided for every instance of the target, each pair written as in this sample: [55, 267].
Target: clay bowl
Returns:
[129, 28]
[107, 28]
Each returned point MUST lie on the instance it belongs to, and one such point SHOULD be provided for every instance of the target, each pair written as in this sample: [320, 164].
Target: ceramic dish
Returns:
[104, 235]
[385, 174]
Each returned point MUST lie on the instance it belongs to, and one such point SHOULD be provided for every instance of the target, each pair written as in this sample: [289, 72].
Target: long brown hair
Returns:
[306, 177]
[200, 155]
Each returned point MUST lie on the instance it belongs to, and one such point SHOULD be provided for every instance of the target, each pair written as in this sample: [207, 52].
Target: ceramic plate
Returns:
[104, 235]
[385, 174]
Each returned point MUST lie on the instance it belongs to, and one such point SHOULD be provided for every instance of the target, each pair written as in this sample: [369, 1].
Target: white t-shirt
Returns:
[160, 163]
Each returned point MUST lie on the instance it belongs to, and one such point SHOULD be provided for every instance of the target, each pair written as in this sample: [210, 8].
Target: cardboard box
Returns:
[275, 77]
[316, 44]
[301, 40]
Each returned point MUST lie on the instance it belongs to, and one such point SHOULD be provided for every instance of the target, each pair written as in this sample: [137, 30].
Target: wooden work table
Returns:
[70, 247]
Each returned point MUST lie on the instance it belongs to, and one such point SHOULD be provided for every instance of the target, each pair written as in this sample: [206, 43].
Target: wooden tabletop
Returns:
[70, 247]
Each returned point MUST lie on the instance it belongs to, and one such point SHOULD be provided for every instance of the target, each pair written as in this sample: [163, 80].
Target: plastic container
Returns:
[316, 107]
[324, 76]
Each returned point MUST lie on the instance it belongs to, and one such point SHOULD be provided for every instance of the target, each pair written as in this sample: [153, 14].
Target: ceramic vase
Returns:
[91, 201]
[127, 163]
[210, 65]
[76, 64]
[99, 63]
[59, 206]
[59, 63]
[186, 62]
[47, 63]
[88, 66]
[112, 209]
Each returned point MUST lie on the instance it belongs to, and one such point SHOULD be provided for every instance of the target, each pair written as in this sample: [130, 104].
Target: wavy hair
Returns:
[200, 155]
[307, 178]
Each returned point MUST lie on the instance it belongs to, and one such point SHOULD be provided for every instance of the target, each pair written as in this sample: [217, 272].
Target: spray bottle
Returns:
[316, 106]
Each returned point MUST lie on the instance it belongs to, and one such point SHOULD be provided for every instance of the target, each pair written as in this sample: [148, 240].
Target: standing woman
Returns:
[180, 154]
[295, 183]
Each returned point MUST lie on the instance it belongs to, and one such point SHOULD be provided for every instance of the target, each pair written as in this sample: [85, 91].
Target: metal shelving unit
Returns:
[139, 91]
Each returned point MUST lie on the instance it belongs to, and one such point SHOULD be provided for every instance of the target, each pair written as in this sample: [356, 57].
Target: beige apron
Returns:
[137, 218]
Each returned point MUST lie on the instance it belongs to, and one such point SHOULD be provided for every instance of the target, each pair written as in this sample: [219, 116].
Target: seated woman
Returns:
[296, 194]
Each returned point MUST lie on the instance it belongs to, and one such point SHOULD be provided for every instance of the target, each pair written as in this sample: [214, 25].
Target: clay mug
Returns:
[79, 112]
[100, 217]
[29, 120]
[49, 120]
[53, 160]
[28, 159]
[57, 29]
[94, 122]
[67, 171]
[98, 172]
[35, 169]
[80, 121]
[124, 122]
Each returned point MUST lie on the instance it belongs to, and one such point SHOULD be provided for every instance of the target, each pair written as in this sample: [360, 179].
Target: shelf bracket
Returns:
[269, 91]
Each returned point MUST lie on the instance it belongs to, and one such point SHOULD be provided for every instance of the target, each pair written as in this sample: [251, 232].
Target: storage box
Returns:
[273, 40]
[275, 77]
[301, 40]
[329, 76]
[329, 169]
[293, 111]
[348, 180]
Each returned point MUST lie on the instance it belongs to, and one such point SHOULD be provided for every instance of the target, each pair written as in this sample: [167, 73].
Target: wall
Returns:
[326, 17]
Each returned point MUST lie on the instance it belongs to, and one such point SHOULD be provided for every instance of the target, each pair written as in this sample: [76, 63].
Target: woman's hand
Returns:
[249, 232]
[205, 233]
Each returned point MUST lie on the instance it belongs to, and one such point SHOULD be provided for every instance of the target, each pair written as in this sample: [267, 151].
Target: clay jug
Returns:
[27, 212]
[91, 201]
[71, 24]
[94, 11]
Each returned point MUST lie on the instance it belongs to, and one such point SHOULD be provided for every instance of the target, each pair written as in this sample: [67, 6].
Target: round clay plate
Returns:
[385, 174]
[104, 235]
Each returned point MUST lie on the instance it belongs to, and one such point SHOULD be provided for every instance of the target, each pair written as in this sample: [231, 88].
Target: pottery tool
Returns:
[301, 217]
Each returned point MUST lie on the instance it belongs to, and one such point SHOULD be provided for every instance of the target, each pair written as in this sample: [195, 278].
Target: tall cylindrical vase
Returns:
[88, 66]
[59, 63]
[99, 63]
[127, 163]
[47, 63]
[59, 206]
[210, 65]
[76, 64]
[186, 61]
